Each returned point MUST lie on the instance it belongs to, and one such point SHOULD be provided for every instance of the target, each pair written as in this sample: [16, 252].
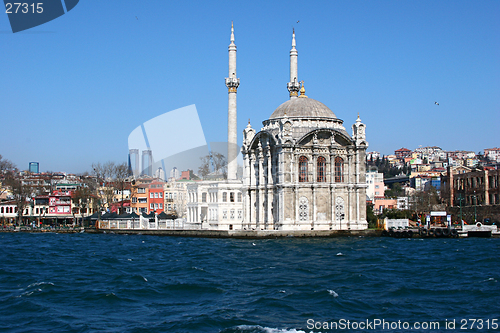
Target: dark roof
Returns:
[148, 216]
[109, 216]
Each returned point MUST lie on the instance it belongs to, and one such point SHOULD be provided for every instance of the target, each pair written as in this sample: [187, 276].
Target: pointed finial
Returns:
[293, 39]
[302, 90]
[232, 32]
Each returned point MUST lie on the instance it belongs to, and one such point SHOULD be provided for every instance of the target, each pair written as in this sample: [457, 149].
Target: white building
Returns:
[375, 184]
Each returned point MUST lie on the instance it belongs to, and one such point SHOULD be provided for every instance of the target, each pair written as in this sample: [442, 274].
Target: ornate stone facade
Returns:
[302, 171]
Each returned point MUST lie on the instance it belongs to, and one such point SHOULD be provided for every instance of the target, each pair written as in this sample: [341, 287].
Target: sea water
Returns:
[135, 283]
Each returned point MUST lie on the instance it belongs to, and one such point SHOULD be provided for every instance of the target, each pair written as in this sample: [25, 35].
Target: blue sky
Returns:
[74, 88]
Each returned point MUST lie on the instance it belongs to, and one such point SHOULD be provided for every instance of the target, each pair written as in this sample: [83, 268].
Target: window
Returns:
[169, 206]
[151, 195]
[231, 197]
[232, 214]
[141, 190]
[203, 197]
[156, 206]
[303, 209]
[152, 206]
[156, 194]
[224, 214]
[239, 196]
[134, 200]
[321, 169]
[224, 197]
[376, 186]
[303, 169]
[160, 195]
[339, 166]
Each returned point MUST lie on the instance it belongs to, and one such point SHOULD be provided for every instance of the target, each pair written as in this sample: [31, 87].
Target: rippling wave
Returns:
[116, 283]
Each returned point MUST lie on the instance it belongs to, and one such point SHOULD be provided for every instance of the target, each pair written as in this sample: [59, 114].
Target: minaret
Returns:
[232, 84]
[293, 86]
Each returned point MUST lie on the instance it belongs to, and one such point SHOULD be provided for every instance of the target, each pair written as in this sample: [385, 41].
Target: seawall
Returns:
[245, 233]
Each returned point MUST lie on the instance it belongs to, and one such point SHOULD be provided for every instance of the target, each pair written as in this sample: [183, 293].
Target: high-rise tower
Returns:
[232, 84]
[293, 86]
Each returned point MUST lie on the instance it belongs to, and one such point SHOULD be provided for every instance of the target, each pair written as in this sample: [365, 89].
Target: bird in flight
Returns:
[298, 21]
[436, 103]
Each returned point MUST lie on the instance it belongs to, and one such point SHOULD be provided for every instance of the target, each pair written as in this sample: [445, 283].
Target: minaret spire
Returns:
[232, 84]
[293, 86]
[232, 33]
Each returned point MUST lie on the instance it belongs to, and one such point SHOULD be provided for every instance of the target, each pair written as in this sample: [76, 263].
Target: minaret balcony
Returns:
[232, 83]
[293, 88]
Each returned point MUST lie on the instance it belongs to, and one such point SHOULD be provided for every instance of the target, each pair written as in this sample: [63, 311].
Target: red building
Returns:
[60, 203]
[402, 153]
[156, 199]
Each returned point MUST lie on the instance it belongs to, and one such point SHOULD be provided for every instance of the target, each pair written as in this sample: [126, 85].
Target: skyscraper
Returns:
[34, 167]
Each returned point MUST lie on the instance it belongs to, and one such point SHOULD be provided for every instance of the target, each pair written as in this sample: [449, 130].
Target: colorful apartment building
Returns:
[155, 198]
[139, 200]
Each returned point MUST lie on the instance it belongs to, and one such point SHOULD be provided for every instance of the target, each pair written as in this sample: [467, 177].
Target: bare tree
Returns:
[204, 169]
[102, 172]
[213, 162]
[423, 202]
[121, 174]
[7, 169]
[111, 177]
[82, 197]
[21, 194]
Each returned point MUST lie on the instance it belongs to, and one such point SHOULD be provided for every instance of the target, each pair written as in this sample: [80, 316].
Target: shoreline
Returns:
[226, 234]
[241, 234]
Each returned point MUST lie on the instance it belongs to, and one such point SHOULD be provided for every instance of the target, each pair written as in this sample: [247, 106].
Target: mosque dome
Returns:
[303, 107]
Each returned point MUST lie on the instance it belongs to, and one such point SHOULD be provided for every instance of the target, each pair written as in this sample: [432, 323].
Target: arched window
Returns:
[339, 170]
[320, 170]
[303, 169]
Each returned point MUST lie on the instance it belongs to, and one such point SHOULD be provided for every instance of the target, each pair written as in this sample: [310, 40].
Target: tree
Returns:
[396, 191]
[371, 218]
[204, 169]
[7, 170]
[21, 194]
[213, 162]
[111, 177]
[423, 202]
[103, 175]
[121, 173]
[82, 198]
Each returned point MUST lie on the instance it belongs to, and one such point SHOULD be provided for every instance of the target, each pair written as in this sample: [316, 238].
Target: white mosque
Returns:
[302, 170]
